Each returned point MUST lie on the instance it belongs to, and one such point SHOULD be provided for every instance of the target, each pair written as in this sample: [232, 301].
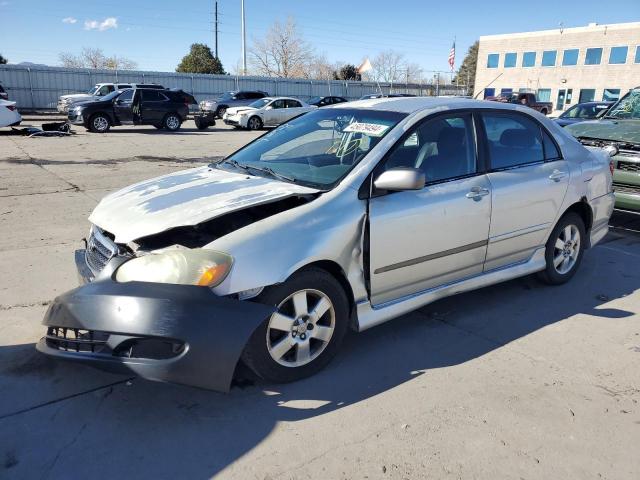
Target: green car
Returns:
[619, 127]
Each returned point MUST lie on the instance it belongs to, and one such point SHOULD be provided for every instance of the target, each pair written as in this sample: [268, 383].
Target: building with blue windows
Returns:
[564, 66]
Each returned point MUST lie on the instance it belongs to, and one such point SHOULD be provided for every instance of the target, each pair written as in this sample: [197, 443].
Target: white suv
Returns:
[98, 90]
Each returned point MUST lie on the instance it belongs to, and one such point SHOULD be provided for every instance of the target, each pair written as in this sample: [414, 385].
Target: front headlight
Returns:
[206, 268]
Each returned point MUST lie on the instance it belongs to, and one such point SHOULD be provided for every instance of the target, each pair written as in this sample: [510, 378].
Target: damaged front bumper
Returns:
[172, 333]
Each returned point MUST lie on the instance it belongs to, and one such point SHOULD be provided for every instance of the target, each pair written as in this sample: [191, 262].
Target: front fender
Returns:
[269, 251]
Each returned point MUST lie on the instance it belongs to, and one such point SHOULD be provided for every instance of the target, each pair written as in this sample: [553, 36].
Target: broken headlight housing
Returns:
[207, 268]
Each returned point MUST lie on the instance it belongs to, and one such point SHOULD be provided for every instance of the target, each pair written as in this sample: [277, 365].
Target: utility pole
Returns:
[216, 37]
[244, 42]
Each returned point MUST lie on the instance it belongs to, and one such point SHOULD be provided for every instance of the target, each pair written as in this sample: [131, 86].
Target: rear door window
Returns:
[292, 104]
[152, 96]
[512, 140]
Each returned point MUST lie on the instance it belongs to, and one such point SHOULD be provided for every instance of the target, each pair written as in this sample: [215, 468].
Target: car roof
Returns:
[279, 98]
[414, 104]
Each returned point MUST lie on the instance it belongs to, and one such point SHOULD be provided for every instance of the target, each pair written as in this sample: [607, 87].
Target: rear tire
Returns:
[99, 123]
[306, 331]
[201, 123]
[254, 123]
[564, 250]
[171, 122]
[543, 111]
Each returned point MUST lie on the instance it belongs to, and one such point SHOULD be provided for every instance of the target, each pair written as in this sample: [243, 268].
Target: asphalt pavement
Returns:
[517, 380]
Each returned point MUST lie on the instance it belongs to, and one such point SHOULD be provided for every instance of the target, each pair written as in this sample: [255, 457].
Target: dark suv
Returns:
[135, 106]
[3, 95]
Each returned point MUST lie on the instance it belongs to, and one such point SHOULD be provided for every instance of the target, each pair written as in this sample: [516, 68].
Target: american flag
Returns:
[452, 55]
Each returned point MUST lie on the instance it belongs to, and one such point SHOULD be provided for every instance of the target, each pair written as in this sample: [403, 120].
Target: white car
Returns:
[9, 115]
[97, 91]
[266, 112]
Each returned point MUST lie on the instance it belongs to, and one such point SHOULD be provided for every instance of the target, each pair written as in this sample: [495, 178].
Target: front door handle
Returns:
[557, 175]
[477, 193]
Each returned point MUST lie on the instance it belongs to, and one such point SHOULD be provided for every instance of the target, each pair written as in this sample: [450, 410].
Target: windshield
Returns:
[93, 90]
[226, 96]
[317, 149]
[627, 107]
[260, 103]
[314, 100]
[584, 111]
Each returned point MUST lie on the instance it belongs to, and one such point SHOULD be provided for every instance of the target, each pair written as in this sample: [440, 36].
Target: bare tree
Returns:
[95, 58]
[319, 68]
[387, 66]
[120, 63]
[282, 52]
[412, 73]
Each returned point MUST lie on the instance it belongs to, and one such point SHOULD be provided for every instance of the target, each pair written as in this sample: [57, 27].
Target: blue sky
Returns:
[157, 33]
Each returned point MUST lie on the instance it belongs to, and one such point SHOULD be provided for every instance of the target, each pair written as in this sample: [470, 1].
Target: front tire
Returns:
[172, 122]
[254, 123]
[99, 123]
[564, 249]
[220, 112]
[304, 333]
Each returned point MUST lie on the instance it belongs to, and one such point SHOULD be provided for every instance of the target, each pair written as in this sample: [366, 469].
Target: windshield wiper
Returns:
[274, 174]
[235, 163]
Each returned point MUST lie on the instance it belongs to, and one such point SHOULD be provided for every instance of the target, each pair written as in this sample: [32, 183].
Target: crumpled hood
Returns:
[185, 198]
[236, 110]
[624, 130]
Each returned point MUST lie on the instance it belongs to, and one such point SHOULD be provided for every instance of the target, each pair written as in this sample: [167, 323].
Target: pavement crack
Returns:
[68, 397]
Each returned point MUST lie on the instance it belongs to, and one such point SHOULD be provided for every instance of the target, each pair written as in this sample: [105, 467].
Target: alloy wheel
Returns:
[566, 249]
[301, 328]
[172, 122]
[254, 123]
[100, 123]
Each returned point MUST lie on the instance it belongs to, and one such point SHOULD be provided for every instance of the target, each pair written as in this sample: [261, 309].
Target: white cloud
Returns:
[69, 20]
[106, 24]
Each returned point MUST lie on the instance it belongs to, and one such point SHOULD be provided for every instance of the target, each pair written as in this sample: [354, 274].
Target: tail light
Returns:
[11, 107]
[611, 167]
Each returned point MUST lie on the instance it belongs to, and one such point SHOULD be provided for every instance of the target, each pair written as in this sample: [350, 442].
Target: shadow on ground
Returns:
[158, 430]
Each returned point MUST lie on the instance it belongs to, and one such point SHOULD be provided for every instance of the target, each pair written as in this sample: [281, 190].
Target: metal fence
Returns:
[38, 87]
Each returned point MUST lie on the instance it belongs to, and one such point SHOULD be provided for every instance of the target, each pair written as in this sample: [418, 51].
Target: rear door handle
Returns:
[557, 175]
[477, 193]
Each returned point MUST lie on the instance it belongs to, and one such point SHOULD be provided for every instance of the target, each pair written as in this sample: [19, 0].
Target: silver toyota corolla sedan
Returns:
[340, 219]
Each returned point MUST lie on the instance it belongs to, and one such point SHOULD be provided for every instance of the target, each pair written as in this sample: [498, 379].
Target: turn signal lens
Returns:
[214, 275]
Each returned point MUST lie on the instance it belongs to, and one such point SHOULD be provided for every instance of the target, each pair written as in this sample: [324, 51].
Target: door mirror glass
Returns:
[268, 107]
[401, 178]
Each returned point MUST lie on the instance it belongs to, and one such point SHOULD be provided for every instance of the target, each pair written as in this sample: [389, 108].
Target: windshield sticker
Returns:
[372, 129]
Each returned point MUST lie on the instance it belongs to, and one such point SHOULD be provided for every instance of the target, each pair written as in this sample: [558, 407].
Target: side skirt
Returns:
[370, 316]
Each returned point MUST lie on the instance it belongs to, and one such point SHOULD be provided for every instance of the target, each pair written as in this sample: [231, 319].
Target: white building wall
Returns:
[581, 76]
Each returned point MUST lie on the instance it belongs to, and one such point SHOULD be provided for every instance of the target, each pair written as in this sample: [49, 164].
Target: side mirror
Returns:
[268, 107]
[401, 178]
